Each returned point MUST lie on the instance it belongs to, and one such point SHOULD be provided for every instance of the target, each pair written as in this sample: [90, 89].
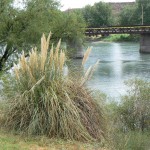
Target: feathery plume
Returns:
[43, 52]
[51, 55]
[61, 60]
[86, 55]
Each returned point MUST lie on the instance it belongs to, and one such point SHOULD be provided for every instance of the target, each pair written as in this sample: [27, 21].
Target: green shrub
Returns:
[122, 37]
[129, 121]
[134, 109]
[41, 100]
[132, 140]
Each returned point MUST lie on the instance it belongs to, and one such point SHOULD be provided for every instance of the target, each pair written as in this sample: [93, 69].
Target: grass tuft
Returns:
[43, 101]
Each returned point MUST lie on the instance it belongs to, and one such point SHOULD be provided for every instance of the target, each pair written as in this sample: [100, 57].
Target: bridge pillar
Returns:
[145, 43]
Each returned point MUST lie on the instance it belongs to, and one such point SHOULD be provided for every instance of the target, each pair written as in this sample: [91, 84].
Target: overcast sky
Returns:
[78, 3]
[81, 3]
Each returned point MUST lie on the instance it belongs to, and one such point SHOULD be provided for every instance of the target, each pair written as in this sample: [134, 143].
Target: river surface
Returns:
[118, 63]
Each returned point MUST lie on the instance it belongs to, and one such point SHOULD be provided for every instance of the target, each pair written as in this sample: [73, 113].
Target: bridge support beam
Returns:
[145, 43]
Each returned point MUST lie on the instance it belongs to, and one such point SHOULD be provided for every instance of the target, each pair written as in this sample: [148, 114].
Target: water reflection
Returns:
[118, 62]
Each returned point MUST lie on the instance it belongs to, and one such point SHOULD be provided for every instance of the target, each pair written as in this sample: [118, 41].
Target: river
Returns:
[118, 63]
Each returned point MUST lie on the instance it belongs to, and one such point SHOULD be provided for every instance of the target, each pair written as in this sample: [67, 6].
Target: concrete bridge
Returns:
[143, 30]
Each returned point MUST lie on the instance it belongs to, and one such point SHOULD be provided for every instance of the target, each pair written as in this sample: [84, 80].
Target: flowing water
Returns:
[118, 63]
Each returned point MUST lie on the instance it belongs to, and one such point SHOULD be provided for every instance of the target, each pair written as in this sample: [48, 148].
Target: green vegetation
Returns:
[40, 107]
[127, 123]
[134, 108]
[21, 29]
[137, 14]
[121, 38]
[129, 16]
[130, 118]
[10, 141]
[130, 140]
[97, 15]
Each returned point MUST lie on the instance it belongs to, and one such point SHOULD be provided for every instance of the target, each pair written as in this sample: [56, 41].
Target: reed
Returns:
[46, 102]
[86, 55]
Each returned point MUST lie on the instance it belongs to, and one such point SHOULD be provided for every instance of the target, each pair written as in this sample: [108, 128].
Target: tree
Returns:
[129, 16]
[87, 14]
[137, 14]
[21, 29]
[8, 22]
[98, 15]
[144, 11]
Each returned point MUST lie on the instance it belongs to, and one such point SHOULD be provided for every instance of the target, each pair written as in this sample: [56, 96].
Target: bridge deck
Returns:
[117, 30]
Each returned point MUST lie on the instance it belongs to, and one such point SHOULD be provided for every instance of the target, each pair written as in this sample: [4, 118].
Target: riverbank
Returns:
[114, 38]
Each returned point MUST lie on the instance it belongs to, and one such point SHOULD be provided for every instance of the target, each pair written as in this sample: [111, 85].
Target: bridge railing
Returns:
[117, 30]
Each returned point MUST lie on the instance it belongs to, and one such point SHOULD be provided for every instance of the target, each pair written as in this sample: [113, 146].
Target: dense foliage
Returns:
[129, 16]
[137, 14]
[97, 15]
[20, 29]
[135, 108]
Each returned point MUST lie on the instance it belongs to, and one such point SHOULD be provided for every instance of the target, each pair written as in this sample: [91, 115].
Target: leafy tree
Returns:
[21, 29]
[8, 23]
[87, 13]
[133, 15]
[129, 16]
[144, 7]
[98, 15]
[69, 26]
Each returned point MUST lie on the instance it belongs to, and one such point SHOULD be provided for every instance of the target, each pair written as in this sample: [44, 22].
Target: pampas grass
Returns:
[86, 55]
[43, 101]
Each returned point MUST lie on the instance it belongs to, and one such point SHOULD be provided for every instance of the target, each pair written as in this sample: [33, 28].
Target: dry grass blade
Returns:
[61, 60]
[38, 82]
[93, 69]
[86, 76]
[86, 55]
[48, 40]
[58, 47]
[51, 55]
[89, 73]
[44, 51]
[56, 54]
[33, 60]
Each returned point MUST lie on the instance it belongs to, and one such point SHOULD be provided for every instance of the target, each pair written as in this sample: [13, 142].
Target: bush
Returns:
[135, 107]
[129, 119]
[41, 100]
[132, 140]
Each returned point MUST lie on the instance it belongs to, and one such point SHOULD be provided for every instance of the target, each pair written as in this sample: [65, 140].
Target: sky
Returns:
[68, 4]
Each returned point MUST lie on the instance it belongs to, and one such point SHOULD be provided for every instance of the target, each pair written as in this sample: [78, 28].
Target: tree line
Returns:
[100, 14]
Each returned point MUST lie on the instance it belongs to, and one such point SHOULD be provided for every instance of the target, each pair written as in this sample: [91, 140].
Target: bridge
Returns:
[143, 30]
[117, 30]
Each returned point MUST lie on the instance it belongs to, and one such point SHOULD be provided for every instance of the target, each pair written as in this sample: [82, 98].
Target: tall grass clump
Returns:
[42, 100]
